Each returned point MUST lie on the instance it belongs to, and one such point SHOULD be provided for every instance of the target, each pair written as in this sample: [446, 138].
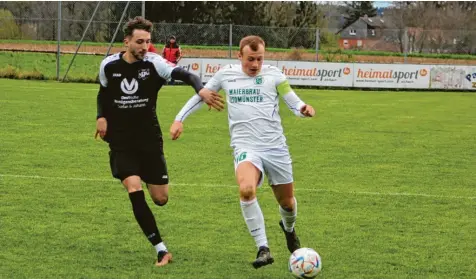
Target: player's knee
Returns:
[247, 191]
[133, 187]
[287, 204]
[160, 201]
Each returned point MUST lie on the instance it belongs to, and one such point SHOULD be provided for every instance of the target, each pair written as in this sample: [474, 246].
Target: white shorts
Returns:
[275, 163]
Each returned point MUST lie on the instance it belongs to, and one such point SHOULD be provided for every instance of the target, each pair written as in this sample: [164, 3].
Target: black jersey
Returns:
[127, 99]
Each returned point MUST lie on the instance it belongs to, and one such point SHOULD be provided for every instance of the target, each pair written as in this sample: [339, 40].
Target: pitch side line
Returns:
[234, 186]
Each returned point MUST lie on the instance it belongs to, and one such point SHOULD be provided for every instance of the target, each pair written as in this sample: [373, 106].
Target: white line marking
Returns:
[46, 88]
[234, 186]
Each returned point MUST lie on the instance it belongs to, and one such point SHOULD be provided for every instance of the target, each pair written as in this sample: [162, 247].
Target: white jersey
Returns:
[253, 106]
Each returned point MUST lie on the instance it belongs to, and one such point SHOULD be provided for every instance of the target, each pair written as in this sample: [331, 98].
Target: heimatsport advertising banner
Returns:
[318, 74]
[193, 65]
[391, 76]
[354, 74]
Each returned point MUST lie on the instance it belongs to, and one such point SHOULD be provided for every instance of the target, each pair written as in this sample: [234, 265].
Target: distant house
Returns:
[364, 33]
[384, 33]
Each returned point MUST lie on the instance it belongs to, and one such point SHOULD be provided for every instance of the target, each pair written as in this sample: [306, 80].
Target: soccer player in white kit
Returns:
[257, 138]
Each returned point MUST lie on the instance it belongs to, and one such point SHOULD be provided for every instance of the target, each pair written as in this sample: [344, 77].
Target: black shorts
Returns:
[149, 165]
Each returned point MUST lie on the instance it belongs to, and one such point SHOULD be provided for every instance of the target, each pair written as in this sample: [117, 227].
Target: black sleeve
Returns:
[102, 102]
[181, 74]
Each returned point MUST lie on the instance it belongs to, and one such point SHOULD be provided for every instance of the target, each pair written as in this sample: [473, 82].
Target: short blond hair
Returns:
[252, 41]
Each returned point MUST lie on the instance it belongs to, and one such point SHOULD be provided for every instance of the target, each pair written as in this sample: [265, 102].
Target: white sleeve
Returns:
[190, 107]
[294, 103]
[279, 77]
[162, 66]
[102, 68]
[214, 83]
[102, 74]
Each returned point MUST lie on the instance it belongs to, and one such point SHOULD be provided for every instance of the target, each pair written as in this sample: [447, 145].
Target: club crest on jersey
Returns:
[129, 87]
[259, 80]
[143, 74]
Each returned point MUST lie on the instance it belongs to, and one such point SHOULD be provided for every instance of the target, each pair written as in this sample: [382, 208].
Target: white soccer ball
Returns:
[305, 263]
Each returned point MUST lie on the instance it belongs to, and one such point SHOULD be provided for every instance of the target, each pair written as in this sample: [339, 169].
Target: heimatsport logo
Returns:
[399, 76]
[323, 74]
[129, 88]
[193, 66]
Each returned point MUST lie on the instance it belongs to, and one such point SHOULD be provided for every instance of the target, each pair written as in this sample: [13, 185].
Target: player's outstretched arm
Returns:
[212, 98]
[192, 105]
[294, 103]
[210, 90]
[167, 71]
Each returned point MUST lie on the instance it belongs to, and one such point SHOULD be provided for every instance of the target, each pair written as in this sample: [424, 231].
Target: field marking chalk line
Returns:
[234, 186]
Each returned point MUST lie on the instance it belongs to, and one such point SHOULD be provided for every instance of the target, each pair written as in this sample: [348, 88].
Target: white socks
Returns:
[255, 221]
[289, 217]
[160, 247]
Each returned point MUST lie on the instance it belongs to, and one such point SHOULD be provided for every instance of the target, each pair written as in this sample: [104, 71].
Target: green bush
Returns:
[329, 40]
[8, 27]
[14, 73]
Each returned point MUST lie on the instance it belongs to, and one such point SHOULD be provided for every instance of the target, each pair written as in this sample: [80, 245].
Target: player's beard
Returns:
[138, 55]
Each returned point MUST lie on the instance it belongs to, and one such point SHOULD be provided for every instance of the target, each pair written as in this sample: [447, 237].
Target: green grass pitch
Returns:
[385, 183]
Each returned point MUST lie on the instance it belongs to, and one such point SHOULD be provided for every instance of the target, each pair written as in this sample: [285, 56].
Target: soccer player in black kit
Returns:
[127, 120]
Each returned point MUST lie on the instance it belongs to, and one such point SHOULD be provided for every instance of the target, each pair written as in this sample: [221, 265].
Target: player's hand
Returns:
[212, 99]
[176, 130]
[101, 127]
[308, 111]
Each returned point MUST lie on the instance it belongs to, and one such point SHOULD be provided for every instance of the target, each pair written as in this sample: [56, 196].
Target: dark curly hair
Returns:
[139, 23]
